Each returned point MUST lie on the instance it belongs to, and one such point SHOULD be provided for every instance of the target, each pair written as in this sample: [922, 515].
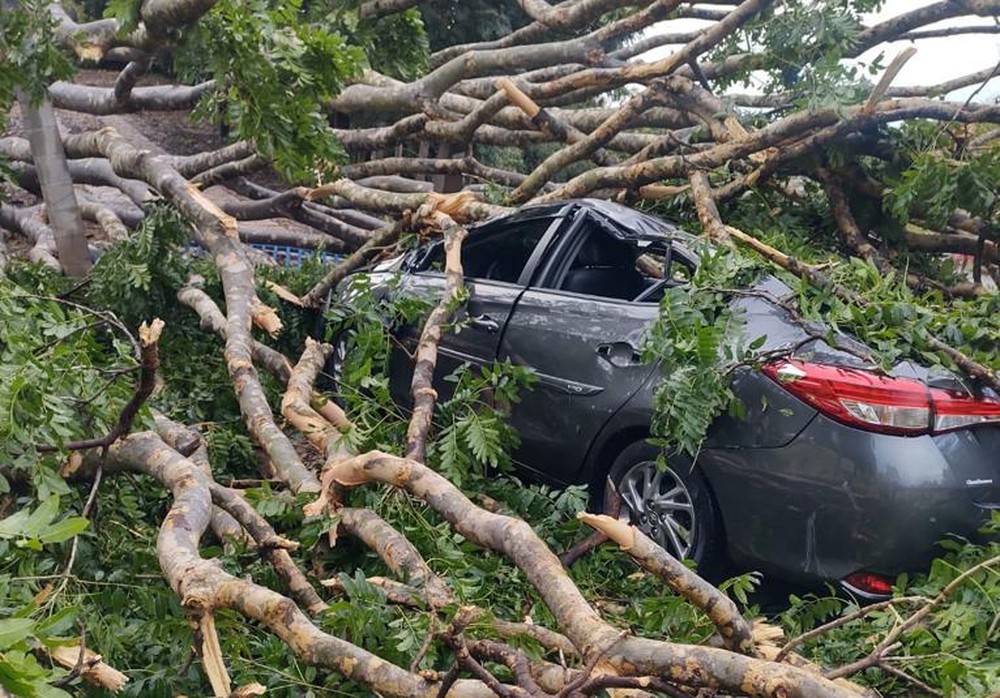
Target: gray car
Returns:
[835, 471]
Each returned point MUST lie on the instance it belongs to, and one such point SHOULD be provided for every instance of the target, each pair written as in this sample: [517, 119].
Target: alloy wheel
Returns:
[659, 504]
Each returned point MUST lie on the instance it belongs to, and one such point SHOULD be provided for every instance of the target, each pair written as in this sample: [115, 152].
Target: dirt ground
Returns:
[172, 132]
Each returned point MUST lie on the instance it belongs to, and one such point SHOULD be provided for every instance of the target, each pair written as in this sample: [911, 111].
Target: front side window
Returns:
[633, 270]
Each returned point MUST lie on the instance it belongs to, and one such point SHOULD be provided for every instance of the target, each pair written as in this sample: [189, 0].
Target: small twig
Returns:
[192, 655]
[63, 337]
[453, 637]
[422, 652]
[812, 332]
[104, 315]
[972, 96]
[895, 671]
[91, 498]
[449, 680]
[149, 359]
[612, 507]
[483, 674]
[588, 670]
[83, 283]
[515, 660]
[81, 659]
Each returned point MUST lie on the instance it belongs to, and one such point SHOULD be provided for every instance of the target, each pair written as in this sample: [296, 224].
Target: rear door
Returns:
[497, 262]
[585, 352]
[584, 346]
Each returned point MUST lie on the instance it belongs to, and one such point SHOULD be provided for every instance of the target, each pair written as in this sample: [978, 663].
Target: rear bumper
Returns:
[836, 500]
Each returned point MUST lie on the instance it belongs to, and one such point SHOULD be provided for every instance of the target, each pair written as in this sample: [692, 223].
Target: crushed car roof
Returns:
[629, 222]
[623, 222]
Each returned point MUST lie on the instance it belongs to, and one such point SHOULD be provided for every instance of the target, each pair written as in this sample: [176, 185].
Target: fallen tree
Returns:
[378, 142]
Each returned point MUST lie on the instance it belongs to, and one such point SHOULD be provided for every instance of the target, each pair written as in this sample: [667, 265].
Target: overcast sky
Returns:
[936, 60]
[941, 59]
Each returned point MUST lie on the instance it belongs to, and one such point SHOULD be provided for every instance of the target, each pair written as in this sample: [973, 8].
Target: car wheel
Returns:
[673, 506]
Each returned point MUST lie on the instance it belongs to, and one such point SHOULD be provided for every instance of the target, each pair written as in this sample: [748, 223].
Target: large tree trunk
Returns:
[42, 130]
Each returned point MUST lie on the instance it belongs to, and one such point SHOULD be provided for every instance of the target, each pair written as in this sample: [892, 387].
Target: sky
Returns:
[936, 60]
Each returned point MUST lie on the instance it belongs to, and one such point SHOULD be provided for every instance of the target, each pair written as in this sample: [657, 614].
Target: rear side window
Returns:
[494, 254]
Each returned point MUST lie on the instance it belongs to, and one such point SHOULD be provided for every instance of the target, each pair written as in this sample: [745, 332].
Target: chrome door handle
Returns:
[485, 323]
[619, 354]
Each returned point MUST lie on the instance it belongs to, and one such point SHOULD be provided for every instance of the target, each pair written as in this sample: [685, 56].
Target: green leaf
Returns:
[14, 525]
[41, 517]
[64, 530]
[59, 622]
[14, 630]
[126, 12]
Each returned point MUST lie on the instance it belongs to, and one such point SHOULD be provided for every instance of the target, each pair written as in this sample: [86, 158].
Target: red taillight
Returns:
[880, 403]
[956, 410]
[869, 583]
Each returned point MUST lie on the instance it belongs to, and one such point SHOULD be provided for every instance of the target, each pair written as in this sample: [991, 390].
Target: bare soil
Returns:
[173, 132]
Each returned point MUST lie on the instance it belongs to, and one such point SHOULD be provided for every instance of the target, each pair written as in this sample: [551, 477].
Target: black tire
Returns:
[674, 507]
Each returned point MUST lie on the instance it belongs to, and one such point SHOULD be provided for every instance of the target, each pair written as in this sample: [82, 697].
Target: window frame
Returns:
[554, 272]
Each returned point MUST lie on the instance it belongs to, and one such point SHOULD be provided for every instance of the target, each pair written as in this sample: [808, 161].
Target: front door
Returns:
[480, 326]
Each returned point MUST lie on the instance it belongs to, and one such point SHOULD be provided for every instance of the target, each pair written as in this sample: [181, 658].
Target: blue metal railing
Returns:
[293, 256]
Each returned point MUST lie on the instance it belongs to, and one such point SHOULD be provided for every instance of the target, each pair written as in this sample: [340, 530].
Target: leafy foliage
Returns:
[127, 12]
[696, 340]
[395, 45]
[801, 45]
[475, 434]
[24, 628]
[138, 277]
[359, 328]
[934, 187]
[63, 376]
[33, 529]
[20, 671]
[275, 73]
[29, 58]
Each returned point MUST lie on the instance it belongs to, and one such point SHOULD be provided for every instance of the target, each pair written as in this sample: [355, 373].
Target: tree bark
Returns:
[57, 186]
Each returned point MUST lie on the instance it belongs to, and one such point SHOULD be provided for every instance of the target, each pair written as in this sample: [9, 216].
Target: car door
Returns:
[497, 261]
[584, 345]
